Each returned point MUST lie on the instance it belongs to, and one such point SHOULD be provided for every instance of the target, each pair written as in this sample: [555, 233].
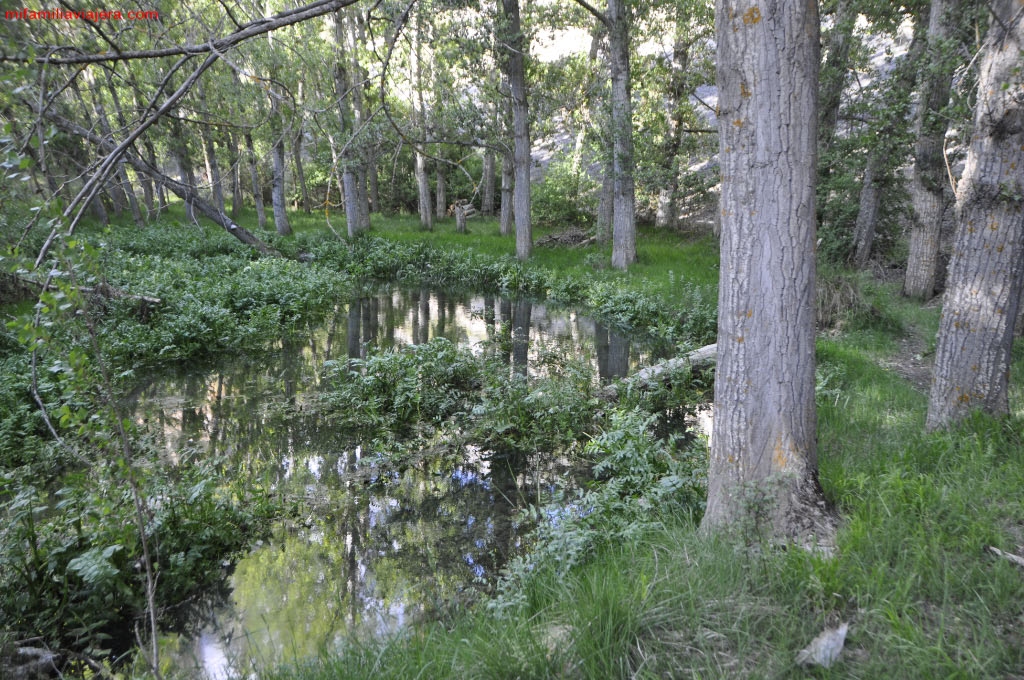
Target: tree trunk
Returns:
[487, 180]
[972, 358]
[834, 72]
[515, 70]
[133, 203]
[300, 172]
[213, 169]
[929, 175]
[867, 214]
[236, 176]
[624, 199]
[667, 216]
[440, 192]
[507, 179]
[763, 462]
[460, 218]
[254, 175]
[277, 188]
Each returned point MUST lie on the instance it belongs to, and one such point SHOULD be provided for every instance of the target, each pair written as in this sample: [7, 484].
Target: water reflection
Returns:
[378, 546]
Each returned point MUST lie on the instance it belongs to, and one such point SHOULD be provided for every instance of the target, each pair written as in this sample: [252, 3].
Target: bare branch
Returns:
[250, 30]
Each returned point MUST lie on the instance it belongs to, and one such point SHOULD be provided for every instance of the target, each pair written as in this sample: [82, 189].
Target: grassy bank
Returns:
[627, 588]
[912, 576]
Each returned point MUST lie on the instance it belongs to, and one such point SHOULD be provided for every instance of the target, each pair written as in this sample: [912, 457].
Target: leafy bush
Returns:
[520, 415]
[636, 473]
[396, 389]
[563, 199]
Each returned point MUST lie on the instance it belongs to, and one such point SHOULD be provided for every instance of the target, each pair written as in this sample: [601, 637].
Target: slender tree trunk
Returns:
[867, 215]
[667, 216]
[236, 176]
[928, 174]
[515, 70]
[213, 169]
[133, 203]
[277, 188]
[624, 201]
[426, 209]
[254, 175]
[487, 182]
[986, 275]
[763, 462]
[300, 172]
[440, 192]
[507, 180]
[834, 71]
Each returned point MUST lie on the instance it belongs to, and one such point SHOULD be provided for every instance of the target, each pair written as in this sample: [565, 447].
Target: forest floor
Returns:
[914, 578]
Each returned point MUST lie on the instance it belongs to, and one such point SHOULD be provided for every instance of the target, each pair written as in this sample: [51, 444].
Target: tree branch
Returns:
[600, 16]
[250, 30]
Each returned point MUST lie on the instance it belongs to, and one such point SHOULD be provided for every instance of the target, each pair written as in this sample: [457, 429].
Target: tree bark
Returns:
[236, 178]
[972, 358]
[624, 202]
[515, 70]
[254, 175]
[834, 71]
[763, 461]
[867, 214]
[277, 188]
[487, 181]
[928, 175]
[440, 191]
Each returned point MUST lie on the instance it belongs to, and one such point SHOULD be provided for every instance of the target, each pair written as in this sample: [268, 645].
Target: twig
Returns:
[1016, 559]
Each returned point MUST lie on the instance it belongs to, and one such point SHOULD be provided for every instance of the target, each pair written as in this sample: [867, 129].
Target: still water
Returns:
[377, 547]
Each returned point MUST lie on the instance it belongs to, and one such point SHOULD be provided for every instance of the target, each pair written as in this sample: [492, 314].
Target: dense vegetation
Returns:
[622, 584]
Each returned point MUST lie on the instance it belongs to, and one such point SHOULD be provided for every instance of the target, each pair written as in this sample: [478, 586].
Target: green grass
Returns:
[912, 575]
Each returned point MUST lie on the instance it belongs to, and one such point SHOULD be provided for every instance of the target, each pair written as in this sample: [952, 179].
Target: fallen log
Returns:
[18, 288]
[185, 192]
[698, 358]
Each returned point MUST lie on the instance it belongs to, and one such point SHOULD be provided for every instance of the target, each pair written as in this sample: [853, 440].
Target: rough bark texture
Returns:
[763, 464]
[515, 71]
[867, 213]
[929, 174]
[624, 194]
[972, 359]
[277, 189]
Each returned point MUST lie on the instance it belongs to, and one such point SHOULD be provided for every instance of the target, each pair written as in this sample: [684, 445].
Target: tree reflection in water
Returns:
[376, 549]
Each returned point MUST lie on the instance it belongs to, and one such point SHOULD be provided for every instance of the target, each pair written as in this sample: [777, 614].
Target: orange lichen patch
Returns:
[738, 122]
[999, 249]
[744, 90]
[739, 339]
[752, 15]
[780, 455]
[750, 313]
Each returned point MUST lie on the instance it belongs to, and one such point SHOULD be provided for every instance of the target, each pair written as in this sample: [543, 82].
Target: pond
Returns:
[377, 546]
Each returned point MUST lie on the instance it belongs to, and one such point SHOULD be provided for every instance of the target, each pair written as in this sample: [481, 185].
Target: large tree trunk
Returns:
[515, 71]
[763, 463]
[972, 359]
[928, 174]
[624, 203]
